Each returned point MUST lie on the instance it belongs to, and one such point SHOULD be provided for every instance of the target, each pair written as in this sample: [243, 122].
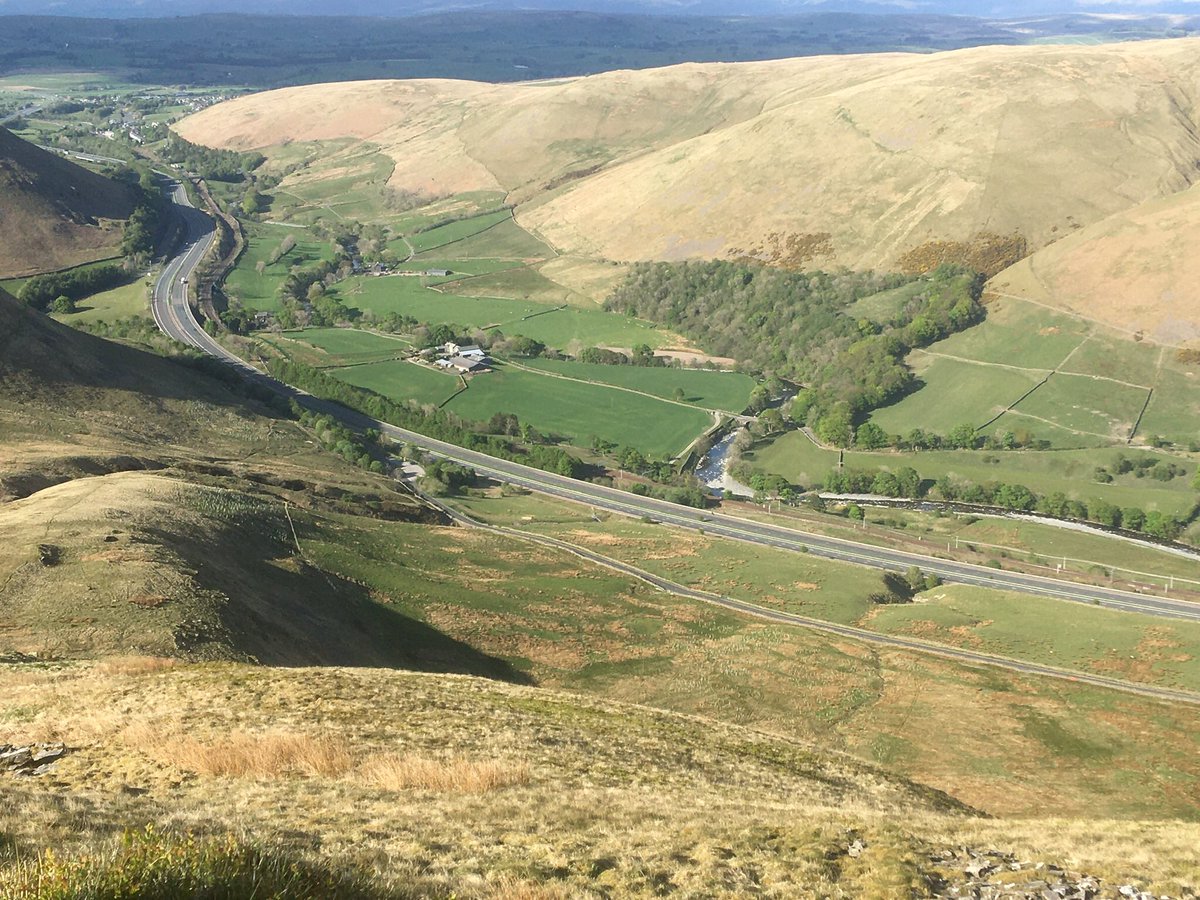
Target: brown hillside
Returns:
[869, 159]
[1138, 271]
[54, 213]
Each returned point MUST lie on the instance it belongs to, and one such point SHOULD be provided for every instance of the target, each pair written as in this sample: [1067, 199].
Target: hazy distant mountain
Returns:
[994, 9]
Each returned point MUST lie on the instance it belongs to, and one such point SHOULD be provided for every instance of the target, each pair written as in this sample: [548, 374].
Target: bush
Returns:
[155, 866]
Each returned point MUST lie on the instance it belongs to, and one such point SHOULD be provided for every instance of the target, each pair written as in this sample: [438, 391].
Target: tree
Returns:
[1133, 518]
[1105, 513]
[962, 437]
[834, 426]
[870, 436]
[1014, 496]
[759, 398]
[886, 485]
[770, 421]
[909, 482]
[1161, 525]
[916, 579]
[63, 304]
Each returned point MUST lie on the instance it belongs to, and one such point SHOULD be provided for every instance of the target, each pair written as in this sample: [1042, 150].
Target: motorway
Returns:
[174, 316]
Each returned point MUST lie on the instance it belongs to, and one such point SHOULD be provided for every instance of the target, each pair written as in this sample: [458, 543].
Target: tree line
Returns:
[208, 162]
[906, 483]
[41, 291]
[797, 326]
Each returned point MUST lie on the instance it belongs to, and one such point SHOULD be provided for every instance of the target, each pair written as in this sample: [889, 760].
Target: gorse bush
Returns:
[151, 865]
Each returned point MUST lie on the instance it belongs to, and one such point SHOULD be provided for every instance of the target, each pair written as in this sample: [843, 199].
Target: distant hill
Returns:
[875, 161]
[1011, 8]
[54, 213]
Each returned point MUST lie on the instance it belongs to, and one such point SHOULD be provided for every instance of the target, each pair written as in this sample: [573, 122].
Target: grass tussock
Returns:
[242, 754]
[456, 775]
[154, 866]
[246, 754]
[136, 665]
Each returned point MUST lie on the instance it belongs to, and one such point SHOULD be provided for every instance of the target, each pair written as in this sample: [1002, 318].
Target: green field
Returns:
[347, 346]
[458, 268]
[522, 283]
[258, 292]
[454, 232]
[402, 381]
[955, 392]
[885, 305]
[1071, 471]
[579, 412]
[582, 411]
[507, 240]
[119, 303]
[1124, 645]
[1174, 410]
[574, 410]
[728, 391]
[1093, 407]
[1100, 382]
[1018, 334]
[468, 204]
[562, 329]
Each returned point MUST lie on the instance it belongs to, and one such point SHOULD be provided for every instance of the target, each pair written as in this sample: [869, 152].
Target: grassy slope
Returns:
[584, 629]
[56, 213]
[1140, 648]
[1131, 271]
[610, 799]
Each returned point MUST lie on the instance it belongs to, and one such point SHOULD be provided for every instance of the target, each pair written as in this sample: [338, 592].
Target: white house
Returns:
[471, 351]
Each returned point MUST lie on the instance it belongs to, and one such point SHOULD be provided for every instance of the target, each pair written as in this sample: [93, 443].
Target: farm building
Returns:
[464, 364]
[472, 351]
[436, 273]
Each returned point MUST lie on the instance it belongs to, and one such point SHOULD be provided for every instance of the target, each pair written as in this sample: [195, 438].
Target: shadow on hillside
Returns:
[287, 613]
[40, 357]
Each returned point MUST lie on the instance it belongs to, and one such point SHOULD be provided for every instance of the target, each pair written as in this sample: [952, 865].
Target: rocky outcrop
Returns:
[31, 759]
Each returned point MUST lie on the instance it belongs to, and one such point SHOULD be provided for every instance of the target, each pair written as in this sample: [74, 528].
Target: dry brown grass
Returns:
[242, 754]
[283, 754]
[136, 665]
[455, 775]
[608, 800]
